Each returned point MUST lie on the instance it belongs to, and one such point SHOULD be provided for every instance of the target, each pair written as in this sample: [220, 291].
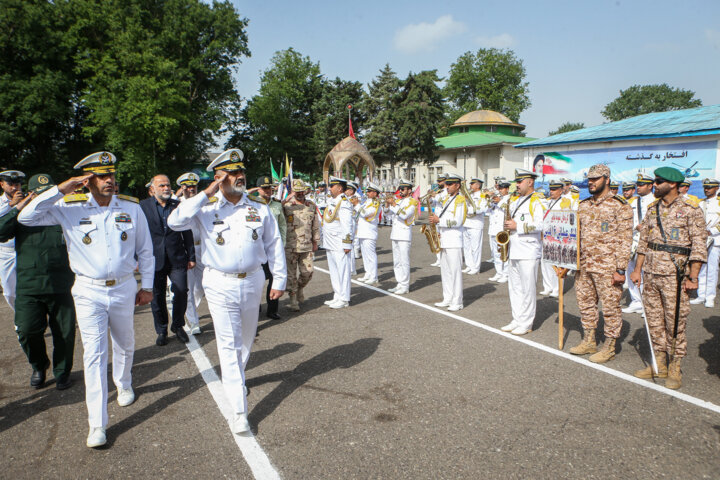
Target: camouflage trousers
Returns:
[659, 297]
[302, 263]
[592, 287]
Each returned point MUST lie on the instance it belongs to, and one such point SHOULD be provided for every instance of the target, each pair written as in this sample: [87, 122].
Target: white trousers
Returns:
[501, 268]
[472, 248]
[633, 290]
[195, 293]
[522, 280]
[7, 274]
[99, 309]
[549, 277]
[708, 279]
[234, 305]
[340, 266]
[451, 275]
[369, 256]
[401, 262]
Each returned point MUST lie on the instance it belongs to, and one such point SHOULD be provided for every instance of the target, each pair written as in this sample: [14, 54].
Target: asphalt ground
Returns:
[387, 388]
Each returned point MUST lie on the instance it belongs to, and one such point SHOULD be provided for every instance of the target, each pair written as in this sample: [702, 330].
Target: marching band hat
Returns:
[264, 181]
[442, 176]
[371, 186]
[574, 189]
[556, 184]
[189, 179]
[12, 176]
[337, 181]
[686, 183]
[614, 185]
[499, 178]
[522, 174]
[599, 170]
[476, 180]
[644, 178]
[710, 182]
[230, 160]
[670, 174]
[99, 163]
[628, 185]
[503, 184]
[298, 185]
[40, 182]
[566, 181]
[352, 184]
[404, 183]
[453, 178]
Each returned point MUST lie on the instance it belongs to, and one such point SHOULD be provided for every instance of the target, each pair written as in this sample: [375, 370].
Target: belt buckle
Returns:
[109, 283]
[242, 275]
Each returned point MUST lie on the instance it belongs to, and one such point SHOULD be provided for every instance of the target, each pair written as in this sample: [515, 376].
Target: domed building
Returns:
[479, 144]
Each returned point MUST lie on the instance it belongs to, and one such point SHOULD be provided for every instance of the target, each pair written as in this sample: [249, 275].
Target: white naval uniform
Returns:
[473, 235]
[524, 259]
[102, 243]
[337, 237]
[367, 232]
[235, 240]
[356, 242]
[450, 227]
[549, 277]
[436, 204]
[401, 237]
[194, 280]
[708, 278]
[640, 206]
[8, 277]
[497, 220]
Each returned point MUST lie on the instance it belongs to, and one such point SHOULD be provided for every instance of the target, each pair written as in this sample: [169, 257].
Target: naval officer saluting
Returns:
[237, 235]
[104, 233]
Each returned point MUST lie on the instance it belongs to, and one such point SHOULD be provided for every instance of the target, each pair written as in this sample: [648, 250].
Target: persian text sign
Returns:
[560, 239]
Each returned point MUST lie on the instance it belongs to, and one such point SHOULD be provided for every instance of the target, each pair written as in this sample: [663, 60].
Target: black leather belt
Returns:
[663, 247]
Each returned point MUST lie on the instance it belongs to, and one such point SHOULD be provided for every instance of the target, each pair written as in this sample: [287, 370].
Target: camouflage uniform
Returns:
[605, 241]
[684, 226]
[303, 228]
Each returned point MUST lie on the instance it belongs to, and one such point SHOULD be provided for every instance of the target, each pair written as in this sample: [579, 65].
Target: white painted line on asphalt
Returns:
[559, 353]
[255, 457]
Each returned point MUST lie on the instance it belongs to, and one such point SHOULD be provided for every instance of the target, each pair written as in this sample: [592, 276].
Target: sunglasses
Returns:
[659, 181]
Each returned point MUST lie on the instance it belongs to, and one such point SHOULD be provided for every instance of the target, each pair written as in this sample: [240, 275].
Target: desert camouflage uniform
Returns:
[605, 240]
[684, 226]
[303, 228]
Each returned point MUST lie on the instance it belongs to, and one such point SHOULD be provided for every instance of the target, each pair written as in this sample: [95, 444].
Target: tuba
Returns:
[503, 237]
[430, 231]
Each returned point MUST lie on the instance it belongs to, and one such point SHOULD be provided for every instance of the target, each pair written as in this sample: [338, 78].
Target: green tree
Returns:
[489, 79]
[567, 127]
[419, 113]
[642, 99]
[380, 103]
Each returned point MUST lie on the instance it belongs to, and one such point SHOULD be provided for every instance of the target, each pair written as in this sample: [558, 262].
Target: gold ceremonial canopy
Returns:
[348, 157]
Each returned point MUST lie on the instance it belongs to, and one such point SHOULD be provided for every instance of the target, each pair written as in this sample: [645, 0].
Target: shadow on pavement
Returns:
[709, 350]
[259, 357]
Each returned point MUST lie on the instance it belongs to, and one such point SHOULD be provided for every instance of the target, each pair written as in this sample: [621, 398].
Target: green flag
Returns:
[273, 173]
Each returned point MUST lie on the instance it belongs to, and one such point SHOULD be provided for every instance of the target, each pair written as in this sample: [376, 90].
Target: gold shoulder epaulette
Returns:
[458, 199]
[413, 202]
[257, 199]
[653, 203]
[128, 198]
[692, 202]
[212, 199]
[620, 199]
[75, 197]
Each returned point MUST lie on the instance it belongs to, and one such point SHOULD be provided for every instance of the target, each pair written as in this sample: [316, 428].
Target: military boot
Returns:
[606, 353]
[587, 345]
[661, 358]
[294, 305]
[674, 377]
[300, 295]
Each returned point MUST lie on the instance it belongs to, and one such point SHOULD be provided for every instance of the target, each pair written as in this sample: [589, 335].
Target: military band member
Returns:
[303, 238]
[639, 206]
[368, 213]
[628, 190]
[320, 198]
[708, 277]
[351, 192]
[436, 203]
[575, 194]
[237, 235]
[404, 213]
[605, 224]
[11, 183]
[496, 214]
[337, 240]
[614, 187]
[566, 185]
[105, 233]
[450, 222]
[672, 248]
[557, 201]
[474, 227]
[525, 226]
[188, 183]
[683, 189]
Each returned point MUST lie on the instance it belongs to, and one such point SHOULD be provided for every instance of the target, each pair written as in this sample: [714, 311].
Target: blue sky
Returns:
[578, 54]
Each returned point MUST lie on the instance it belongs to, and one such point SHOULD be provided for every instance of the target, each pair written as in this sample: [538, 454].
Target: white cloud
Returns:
[426, 37]
[713, 36]
[504, 40]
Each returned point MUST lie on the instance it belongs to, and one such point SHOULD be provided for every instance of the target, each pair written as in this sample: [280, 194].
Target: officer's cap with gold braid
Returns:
[265, 181]
[628, 185]
[566, 181]
[644, 179]
[351, 184]
[686, 183]
[453, 178]
[405, 183]
[99, 163]
[298, 185]
[710, 182]
[371, 186]
[614, 184]
[556, 184]
[188, 179]
[12, 176]
[337, 181]
[521, 174]
[476, 180]
[230, 160]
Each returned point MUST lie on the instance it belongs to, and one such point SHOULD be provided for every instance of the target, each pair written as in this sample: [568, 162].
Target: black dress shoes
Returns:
[63, 381]
[161, 340]
[273, 316]
[37, 379]
[181, 335]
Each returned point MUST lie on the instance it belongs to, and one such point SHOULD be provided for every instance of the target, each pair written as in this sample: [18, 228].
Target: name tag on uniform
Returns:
[218, 222]
[123, 218]
[85, 221]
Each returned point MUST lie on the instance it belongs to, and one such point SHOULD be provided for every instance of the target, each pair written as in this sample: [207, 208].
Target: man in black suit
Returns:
[174, 254]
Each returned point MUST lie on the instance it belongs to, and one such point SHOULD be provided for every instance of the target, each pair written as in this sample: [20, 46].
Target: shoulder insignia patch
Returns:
[692, 202]
[212, 199]
[128, 198]
[653, 203]
[75, 197]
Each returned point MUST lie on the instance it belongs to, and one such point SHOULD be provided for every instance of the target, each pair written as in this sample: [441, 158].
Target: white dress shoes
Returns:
[554, 294]
[394, 289]
[96, 438]
[125, 396]
[520, 331]
[697, 301]
[436, 264]
[545, 292]
[473, 272]
[240, 423]
[494, 278]
[442, 304]
[503, 279]
[401, 291]
[710, 303]
[195, 329]
[633, 308]
[509, 327]
[339, 304]
[454, 308]
[329, 302]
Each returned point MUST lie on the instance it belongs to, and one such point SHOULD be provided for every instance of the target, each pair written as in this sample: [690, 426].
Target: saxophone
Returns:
[503, 238]
[430, 231]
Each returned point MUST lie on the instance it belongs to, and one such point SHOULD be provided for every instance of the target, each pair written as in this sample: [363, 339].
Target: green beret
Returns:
[670, 174]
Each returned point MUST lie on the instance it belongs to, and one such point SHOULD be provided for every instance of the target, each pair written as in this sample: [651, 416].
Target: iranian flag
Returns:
[552, 163]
